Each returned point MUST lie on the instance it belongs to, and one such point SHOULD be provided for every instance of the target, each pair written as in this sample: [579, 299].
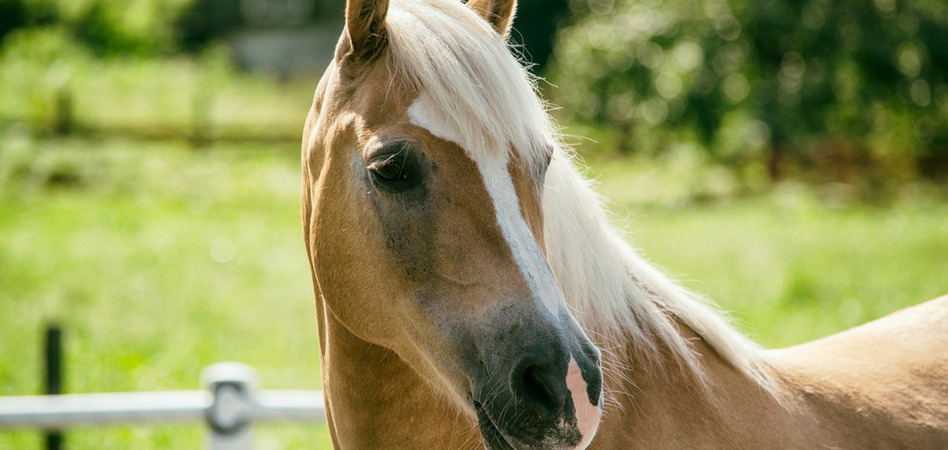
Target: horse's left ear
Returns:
[365, 25]
[499, 13]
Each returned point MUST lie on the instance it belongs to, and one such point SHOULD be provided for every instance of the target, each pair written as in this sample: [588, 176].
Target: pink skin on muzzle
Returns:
[587, 413]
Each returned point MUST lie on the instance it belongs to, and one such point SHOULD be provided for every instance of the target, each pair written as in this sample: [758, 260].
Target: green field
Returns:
[160, 260]
[792, 264]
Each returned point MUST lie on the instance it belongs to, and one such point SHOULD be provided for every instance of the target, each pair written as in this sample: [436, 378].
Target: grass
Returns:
[791, 265]
[159, 260]
[48, 83]
[793, 273]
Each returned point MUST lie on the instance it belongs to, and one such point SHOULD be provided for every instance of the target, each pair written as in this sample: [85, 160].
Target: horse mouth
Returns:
[496, 439]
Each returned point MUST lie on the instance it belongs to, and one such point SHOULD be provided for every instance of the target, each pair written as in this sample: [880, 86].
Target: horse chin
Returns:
[493, 438]
[496, 439]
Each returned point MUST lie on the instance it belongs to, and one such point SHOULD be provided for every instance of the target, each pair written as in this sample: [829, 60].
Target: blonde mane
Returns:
[450, 54]
[457, 59]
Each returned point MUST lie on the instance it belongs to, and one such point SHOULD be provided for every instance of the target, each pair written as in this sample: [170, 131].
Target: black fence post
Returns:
[54, 377]
[63, 120]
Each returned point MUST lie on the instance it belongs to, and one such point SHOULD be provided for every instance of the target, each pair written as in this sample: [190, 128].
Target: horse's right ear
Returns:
[499, 13]
[365, 28]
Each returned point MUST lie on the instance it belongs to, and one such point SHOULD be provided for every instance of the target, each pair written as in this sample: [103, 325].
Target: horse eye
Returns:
[397, 166]
[388, 169]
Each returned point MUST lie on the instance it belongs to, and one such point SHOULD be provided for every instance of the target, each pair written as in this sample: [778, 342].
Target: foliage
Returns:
[535, 28]
[36, 66]
[860, 81]
[107, 27]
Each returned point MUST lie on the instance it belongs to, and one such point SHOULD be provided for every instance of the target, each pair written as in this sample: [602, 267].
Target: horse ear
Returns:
[499, 13]
[365, 26]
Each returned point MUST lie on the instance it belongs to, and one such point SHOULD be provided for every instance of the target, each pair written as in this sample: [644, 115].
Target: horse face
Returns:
[430, 249]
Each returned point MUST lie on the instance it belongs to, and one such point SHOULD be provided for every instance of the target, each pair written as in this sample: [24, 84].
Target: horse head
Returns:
[424, 159]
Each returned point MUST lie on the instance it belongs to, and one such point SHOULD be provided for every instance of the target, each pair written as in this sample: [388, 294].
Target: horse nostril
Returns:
[534, 386]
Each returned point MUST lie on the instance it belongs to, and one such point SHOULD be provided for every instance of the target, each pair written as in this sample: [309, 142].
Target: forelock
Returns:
[453, 56]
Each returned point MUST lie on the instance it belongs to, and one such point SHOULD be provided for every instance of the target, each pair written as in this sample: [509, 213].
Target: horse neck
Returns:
[375, 400]
[674, 370]
[613, 291]
[654, 401]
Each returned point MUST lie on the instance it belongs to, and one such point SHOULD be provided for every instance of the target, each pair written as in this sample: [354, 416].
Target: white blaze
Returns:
[494, 171]
[492, 165]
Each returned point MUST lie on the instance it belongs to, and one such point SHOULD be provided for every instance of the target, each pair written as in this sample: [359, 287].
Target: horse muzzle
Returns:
[538, 388]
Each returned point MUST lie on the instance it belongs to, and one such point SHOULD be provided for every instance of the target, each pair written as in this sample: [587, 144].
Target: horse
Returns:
[471, 293]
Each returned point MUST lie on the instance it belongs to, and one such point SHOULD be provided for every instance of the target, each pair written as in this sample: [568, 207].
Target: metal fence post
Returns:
[54, 377]
[233, 387]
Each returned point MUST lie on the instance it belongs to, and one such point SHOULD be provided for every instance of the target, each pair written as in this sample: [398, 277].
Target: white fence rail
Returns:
[230, 405]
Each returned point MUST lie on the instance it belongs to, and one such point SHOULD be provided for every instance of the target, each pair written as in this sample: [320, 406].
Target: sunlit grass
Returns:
[793, 275]
[44, 80]
[791, 264]
[157, 261]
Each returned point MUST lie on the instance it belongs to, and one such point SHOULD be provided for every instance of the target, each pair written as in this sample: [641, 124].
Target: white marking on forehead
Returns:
[424, 113]
[493, 168]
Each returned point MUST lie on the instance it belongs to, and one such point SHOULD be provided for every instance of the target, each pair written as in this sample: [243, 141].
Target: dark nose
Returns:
[538, 383]
[523, 376]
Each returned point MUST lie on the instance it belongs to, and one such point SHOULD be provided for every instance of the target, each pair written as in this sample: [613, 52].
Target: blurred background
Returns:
[788, 158]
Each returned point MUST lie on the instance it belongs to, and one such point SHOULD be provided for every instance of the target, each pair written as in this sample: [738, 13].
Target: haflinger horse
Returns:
[466, 278]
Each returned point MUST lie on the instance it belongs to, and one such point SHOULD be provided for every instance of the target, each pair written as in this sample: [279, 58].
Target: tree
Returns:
[769, 79]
